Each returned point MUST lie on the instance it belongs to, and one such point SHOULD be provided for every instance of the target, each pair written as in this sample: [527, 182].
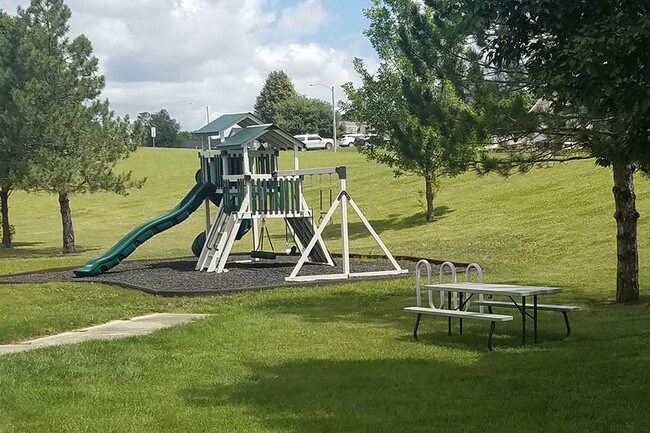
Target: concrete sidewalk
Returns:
[115, 329]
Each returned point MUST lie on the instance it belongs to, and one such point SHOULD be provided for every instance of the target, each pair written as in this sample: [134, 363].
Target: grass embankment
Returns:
[338, 358]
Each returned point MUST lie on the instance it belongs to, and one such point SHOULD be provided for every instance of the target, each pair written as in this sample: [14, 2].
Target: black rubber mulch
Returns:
[173, 277]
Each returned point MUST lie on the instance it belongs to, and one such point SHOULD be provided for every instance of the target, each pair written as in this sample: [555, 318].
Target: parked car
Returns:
[364, 140]
[313, 141]
[348, 139]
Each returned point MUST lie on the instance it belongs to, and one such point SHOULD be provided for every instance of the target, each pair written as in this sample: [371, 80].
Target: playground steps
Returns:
[304, 231]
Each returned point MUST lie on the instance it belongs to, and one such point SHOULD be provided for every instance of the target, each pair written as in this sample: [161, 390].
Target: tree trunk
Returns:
[66, 219]
[4, 216]
[429, 196]
[626, 215]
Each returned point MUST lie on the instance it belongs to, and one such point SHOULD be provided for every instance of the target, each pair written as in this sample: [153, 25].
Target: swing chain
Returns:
[264, 229]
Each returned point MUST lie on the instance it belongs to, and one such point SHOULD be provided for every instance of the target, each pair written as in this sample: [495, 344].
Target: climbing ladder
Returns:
[224, 226]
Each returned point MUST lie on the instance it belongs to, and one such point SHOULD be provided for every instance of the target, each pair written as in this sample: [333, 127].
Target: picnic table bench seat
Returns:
[564, 309]
[460, 314]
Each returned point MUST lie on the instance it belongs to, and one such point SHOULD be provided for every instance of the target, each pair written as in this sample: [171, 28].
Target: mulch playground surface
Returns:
[177, 277]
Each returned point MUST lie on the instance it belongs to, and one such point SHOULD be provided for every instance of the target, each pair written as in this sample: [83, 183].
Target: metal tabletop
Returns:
[494, 289]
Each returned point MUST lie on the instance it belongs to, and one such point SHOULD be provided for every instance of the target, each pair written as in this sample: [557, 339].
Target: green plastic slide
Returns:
[137, 236]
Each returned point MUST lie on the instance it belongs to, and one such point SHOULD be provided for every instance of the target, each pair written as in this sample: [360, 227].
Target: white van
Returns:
[314, 141]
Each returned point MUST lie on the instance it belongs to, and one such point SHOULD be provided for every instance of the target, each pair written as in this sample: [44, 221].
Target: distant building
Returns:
[354, 127]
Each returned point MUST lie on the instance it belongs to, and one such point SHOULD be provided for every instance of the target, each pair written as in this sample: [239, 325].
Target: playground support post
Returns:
[344, 225]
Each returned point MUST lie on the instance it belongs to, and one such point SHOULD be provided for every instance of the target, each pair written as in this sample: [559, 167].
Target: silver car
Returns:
[348, 139]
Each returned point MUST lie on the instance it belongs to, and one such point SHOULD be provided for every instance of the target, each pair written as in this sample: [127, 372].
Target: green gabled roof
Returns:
[228, 120]
[270, 134]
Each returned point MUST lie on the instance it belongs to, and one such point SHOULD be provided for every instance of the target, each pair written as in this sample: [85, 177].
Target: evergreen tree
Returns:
[79, 140]
[14, 151]
[277, 88]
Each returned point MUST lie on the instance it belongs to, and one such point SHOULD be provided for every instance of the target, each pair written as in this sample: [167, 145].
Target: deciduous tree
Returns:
[167, 128]
[589, 61]
[419, 101]
[302, 115]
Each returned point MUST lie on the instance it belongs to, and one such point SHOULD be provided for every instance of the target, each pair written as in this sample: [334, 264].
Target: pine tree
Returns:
[79, 139]
[14, 151]
[277, 88]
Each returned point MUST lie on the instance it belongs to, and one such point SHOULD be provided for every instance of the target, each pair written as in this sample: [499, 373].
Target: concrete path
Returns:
[115, 329]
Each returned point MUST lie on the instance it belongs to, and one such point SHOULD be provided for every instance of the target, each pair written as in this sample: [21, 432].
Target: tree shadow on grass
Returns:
[381, 308]
[394, 222]
[34, 250]
[426, 391]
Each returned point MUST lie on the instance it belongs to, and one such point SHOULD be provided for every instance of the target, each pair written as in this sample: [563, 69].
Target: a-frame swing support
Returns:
[342, 201]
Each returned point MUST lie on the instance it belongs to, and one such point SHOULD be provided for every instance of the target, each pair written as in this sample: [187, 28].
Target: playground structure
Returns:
[240, 174]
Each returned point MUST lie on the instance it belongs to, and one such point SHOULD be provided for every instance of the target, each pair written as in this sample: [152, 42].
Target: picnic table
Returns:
[467, 290]
[456, 298]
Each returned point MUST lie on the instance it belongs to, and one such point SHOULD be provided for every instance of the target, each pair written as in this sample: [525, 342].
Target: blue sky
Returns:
[345, 23]
[166, 53]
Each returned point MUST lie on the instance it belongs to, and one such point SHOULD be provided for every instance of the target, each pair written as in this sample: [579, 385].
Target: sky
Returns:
[185, 55]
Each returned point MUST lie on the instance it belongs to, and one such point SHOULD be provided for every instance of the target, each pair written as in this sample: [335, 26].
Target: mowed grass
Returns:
[337, 358]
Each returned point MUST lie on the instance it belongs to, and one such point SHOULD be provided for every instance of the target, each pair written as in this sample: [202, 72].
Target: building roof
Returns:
[271, 134]
[226, 121]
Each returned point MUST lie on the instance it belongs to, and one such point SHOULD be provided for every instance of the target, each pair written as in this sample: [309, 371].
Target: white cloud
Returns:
[306, 18]
[164, 53]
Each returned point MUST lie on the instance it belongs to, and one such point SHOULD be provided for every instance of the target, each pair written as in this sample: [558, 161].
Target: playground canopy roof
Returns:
[270, 134]
[228, 120]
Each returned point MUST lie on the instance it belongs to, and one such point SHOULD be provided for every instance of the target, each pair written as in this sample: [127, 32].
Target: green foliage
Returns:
[167, 128]
[77, 140]
[15, 151]
[421, 100]
[586, 62]
[277, 88]
[301, 115]
[187, 135]
[587, 58]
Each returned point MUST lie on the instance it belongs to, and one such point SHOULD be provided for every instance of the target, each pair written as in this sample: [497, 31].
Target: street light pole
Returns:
[207, 117]
[208, 219]
[333, 110]
[207, 114]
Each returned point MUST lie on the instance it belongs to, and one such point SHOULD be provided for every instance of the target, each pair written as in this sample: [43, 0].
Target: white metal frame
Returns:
[342, 200]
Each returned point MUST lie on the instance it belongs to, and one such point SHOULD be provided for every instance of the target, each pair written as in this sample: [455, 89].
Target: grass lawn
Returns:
[337, 358]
